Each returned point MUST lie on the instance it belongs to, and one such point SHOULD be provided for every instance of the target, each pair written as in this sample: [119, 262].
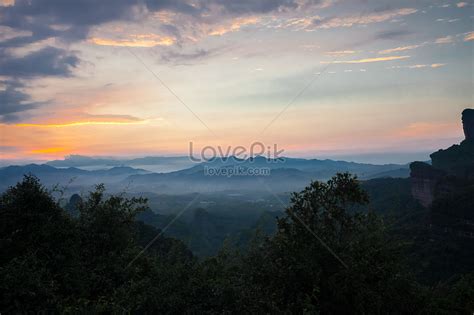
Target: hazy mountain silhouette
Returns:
[150, 163]
[63, 176]
[287, 174]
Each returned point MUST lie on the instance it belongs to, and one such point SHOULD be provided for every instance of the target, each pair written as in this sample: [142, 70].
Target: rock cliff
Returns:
[449, 166]
[468, 123]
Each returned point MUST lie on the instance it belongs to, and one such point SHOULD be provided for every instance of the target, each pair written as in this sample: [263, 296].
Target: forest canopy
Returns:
[323, 258]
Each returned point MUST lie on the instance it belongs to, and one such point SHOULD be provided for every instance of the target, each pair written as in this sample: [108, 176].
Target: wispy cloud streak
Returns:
[366, 60]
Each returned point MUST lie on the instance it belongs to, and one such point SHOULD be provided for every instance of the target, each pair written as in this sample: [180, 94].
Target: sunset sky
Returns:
[320, 78]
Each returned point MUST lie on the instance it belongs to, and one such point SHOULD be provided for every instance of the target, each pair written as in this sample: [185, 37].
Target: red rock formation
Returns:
[424, 179]
[430, 181]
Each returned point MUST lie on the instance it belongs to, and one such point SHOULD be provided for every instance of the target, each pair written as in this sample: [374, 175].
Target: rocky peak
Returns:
[468, 123]
[455, 162]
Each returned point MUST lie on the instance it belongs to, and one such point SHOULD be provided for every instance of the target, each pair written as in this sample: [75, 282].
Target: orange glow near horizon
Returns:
[49, 151]
[58, 142]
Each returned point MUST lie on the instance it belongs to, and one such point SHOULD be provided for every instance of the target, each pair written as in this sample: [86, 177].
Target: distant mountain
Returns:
[287, 174]
[70, 176]
[150, 163]
[184, 182]
[322, 168]
[396, 173]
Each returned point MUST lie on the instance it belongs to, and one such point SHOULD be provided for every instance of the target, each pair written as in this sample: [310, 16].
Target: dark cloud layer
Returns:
[75, 17]
[71, 21]
[68, 21]
[48, 61]
[13, 101]
[255, 6]
[45, 62]
[179, 58]
[78, 16]
[178, 6]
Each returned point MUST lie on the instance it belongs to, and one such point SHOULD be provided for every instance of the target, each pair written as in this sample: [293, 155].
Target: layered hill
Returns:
[287, 174]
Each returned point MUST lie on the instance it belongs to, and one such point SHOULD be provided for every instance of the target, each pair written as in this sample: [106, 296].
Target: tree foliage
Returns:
[323, 259]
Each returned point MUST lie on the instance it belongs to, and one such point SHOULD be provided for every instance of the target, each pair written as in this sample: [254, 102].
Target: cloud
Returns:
[367, 60]
[88, 120]
[13, 101]
[178, 6]
[7, 33]
[34, 21]
[398, 49]
[140, 40]
[311, 23]
[444, 40]
[416, 66]
[233, 26]
[419, 66]
[392, 35]
[72, 21]
[349, 21]
[48, 61]
[86, 12]
[256, 6]
[105, 117]
[340, 52]
[186, 58]
[79, 12]
[69, 21]
[469, 36]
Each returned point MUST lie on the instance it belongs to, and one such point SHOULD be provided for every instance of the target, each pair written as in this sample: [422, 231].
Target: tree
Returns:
[325, 259]
[38, 247]
[95, 262]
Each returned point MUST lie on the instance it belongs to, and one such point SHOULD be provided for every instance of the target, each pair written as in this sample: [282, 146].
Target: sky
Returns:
[378, 81]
